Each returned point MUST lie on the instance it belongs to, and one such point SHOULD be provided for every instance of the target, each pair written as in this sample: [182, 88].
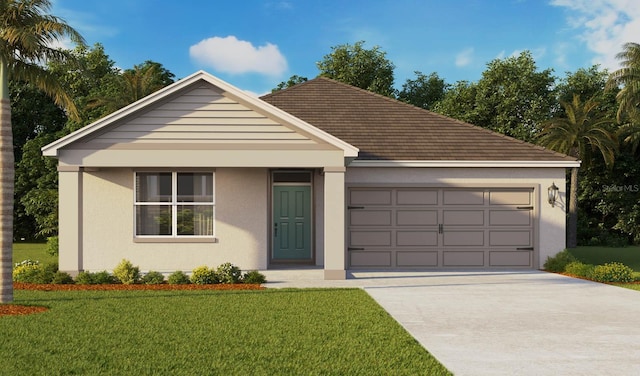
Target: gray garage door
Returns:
[440, 227]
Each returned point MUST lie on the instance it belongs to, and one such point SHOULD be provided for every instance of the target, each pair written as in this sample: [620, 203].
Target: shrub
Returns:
[153, 278]
[53, 247]
[579, 269]
[62, 278]
[29, 271]
[103, 278]
[203, 276]
[178, 278]
[613, 272]
[126, 273]
[84, 278]
[559, 262]
[229, 273]
[254, 277]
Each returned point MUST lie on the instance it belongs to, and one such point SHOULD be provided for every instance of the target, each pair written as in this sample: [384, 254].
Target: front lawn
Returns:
[32, 251]
[629, 256]
[268, 332]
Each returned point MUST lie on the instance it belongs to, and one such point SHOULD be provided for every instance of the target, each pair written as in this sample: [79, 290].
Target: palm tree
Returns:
[27, 34]
[579, 133]
[629, 78]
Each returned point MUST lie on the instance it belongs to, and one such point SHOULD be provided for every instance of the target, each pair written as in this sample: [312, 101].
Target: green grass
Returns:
[271, 332]
[629, 256]
[32, 251]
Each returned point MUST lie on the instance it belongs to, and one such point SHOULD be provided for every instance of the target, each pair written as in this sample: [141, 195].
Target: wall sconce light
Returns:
[552, 191]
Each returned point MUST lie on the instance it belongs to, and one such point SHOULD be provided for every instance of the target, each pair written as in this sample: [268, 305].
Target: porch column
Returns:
[70, 218]
[334, 212]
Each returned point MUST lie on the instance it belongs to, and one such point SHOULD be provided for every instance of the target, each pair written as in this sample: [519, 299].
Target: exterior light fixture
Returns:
[552, 191]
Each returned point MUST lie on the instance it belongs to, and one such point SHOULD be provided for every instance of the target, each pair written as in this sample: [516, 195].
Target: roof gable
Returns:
[385, 129]
[198, 110]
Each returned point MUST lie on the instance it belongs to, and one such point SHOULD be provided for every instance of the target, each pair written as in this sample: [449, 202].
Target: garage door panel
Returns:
[513, 238]
[417, 238]
[417, 217]
[452, 197]
[510, 217]
[370, 259]
[463, 217]
[510, 197]
[417, 197]
[370, 217]
[370, 238]
[463, 258]
[463, 238]
[417, 258]
[511, 258]
[370, 197]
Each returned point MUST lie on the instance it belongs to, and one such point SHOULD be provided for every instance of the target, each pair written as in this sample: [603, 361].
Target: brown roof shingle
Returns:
[387, 129]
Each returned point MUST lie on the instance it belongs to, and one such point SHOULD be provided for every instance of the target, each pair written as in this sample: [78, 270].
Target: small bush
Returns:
[53, 247]
[229, 273]
[613, 272]
[178, 278]
[29, 271]
[103, 278]
[126, 273]
[579, 269]
[559, 262]
[254, 277]
[202, 275]
[153, 278]
[84, 278]
[62, 278]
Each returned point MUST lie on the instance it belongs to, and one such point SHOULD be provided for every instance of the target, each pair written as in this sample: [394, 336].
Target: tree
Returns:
[360, 67]
[424, 91]
[133, 85]
[580, 133]
[292, 81]
[629, 78]
[459, 102]
[26, 35]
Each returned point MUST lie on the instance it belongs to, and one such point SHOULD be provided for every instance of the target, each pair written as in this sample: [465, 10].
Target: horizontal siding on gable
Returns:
[200, 115]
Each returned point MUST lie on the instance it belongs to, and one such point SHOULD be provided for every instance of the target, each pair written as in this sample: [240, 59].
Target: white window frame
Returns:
[174, 204]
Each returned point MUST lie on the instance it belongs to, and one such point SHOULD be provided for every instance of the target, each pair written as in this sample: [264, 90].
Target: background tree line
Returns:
[590, 114]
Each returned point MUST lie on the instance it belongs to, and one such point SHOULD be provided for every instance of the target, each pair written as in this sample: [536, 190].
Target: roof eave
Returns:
[454, 163]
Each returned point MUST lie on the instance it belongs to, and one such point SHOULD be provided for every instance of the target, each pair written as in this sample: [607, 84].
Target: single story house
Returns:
[322, 173]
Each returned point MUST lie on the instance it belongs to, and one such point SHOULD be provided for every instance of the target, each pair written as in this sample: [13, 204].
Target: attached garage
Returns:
[440, 227]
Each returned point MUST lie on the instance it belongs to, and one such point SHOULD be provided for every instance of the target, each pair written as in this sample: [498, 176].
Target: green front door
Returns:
[291, 222]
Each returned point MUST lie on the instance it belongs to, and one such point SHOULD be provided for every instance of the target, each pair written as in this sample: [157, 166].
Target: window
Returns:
[174, 204]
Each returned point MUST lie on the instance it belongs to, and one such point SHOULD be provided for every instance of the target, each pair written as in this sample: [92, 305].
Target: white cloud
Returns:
[230, 55]
[464, 57]
[606, 25]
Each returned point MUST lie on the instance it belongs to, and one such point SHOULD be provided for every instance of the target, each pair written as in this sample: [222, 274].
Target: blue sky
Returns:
[255, 44]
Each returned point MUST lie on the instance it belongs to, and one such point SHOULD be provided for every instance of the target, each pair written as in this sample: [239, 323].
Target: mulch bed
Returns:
[16, 309]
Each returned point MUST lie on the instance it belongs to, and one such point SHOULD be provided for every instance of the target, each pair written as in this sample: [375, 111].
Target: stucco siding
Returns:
[550, 225]
[240, 224]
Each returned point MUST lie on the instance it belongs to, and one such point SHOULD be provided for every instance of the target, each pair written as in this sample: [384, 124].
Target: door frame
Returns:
[310, 184]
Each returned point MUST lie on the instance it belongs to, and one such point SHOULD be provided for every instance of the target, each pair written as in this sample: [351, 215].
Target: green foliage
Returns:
[203, 275]
[153, 278]
[178, 278]
[612, 272]
[559, 262]
[62, 278]
[30, 271]
[355, 65]
[126, 273]
[254, 277]
[84, 278]
[53, 245]
[579, 269]
[103, 278]
[228, 273]
[293, 80]
[424, 91]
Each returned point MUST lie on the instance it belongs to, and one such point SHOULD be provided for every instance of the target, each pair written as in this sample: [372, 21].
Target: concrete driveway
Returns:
[505, 323]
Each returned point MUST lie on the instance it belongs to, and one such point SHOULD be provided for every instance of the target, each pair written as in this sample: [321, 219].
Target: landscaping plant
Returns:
[203, 275]
[178, 278]
[613, 272]
[559, 262]
[228, 273]
[153, 278]
[126, 273]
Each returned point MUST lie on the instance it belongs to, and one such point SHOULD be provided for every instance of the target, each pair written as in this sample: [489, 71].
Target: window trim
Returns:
[174, 204]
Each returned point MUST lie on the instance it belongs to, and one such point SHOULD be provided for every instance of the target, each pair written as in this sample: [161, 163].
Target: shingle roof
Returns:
[387, 129]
